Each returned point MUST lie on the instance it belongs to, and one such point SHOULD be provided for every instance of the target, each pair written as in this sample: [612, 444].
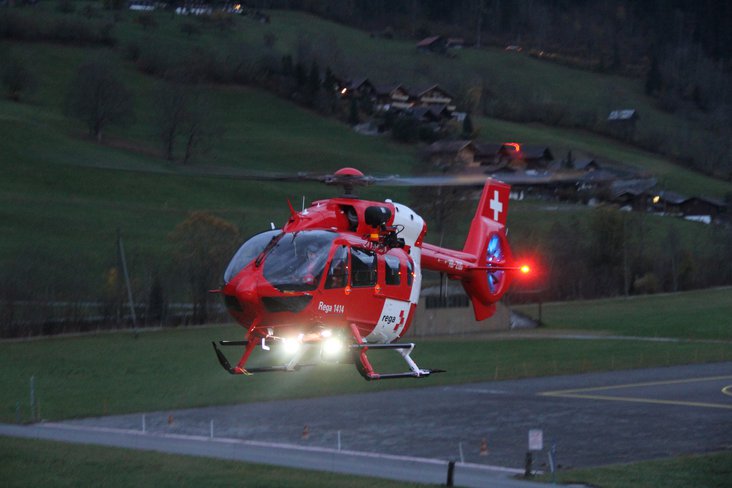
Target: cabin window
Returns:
[410, 272]
[363, 268]
[392, 270]
[338, 272]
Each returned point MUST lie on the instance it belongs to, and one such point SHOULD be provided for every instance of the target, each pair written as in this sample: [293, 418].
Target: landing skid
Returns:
[366, 371]
[239, 369]
[358, 352]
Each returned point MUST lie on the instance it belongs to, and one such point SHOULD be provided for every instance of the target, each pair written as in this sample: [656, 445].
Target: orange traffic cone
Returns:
[305, 433]
[484, 447]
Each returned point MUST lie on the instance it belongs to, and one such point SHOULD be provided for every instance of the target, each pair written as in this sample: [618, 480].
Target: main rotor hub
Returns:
[348, 178]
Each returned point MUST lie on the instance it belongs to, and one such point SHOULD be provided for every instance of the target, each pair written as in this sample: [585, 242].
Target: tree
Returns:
[98, 97]
[468, 129]
[198, 128]
[170, 114]
[182, 116]
[203, 243]
[654, 80]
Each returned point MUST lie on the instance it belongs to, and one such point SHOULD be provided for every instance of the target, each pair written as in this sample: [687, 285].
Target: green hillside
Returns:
[63, 196]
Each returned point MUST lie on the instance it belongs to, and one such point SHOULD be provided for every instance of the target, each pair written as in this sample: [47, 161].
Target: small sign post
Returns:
[536, 443]
[536, 440]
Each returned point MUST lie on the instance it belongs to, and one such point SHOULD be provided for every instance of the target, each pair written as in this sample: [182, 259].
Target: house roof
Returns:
[711, 201]
[422, 90]
[428, 41]
[584, 163]
[487, 149]
[635, 187]
[623, 114]
[388, 89]
[598, 176]
[536, 152]
[358, 83]
[449, 146]
[672, 197]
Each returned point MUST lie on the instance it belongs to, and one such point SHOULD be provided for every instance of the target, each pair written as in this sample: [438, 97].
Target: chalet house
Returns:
[435, 114]
[434, 44]
[433, 95]
[585, 164]
[536, 156]
[358, 88]
[633, 193]
[487, 154]
[523, 157]
[392, 97]
[703, 209]
[447, 155]
[594, 184]
[668, 202]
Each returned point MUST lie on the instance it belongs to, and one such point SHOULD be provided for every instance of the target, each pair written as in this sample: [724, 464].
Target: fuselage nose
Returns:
[241, 298]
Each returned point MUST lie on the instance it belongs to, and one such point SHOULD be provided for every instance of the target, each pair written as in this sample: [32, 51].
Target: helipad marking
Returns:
[586, 393]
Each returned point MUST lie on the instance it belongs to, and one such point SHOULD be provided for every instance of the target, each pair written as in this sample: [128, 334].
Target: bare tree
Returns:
[182, 115]
[98, 97]
[170, 114]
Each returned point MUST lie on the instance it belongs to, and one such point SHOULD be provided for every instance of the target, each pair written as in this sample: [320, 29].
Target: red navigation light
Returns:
[525, 269]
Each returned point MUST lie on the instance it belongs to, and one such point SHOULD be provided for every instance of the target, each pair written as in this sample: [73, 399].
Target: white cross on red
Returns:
[496, 205]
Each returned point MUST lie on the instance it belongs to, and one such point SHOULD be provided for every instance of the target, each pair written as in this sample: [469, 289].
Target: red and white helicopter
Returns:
[344, 276]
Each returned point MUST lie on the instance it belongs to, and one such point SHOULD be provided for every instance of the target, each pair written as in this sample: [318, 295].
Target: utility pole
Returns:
[123, 263]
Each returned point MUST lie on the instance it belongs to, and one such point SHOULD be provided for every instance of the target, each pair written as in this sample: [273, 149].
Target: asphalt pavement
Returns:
[587, 420]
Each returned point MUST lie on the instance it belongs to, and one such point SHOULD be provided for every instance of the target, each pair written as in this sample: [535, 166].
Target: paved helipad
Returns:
[592, 419]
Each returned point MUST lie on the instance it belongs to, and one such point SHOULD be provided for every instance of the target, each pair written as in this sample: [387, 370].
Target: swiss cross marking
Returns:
[496, 205]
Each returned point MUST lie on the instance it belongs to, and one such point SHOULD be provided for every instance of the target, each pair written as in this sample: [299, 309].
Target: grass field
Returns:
[42, 463]
[115, 373]
[707, 471]
[702, 314]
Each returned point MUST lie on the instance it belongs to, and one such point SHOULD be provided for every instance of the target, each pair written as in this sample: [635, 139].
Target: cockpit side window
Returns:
[252, 248]
[363, 268]
[392, 270]
[338, 272]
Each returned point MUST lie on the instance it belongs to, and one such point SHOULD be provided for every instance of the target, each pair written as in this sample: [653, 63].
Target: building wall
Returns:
[455, 321]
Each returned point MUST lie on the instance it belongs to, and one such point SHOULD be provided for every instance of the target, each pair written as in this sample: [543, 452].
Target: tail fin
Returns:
[485, 262]
[488, 280]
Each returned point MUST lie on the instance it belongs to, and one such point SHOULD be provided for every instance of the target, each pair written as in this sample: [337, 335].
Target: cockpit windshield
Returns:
[248, 251]
[297, 261]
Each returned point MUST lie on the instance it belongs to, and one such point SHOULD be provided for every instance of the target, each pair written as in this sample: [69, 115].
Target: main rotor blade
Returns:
[478, 179]
[451, 179]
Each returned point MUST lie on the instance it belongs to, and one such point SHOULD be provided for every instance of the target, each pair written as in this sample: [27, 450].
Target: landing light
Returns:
[291, 346]
[332, 347]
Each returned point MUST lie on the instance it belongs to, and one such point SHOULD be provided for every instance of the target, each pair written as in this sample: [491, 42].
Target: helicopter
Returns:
[343, 276]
